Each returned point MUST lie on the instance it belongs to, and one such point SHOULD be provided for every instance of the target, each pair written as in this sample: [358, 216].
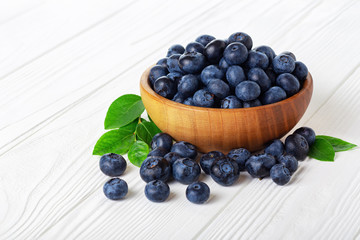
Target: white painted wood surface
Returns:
[63, 62]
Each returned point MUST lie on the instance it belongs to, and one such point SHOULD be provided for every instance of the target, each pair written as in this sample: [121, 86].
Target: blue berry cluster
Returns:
[227, 73]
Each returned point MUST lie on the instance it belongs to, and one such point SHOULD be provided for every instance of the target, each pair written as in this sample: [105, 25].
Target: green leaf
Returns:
[338, 144]
[138, 153]
[123, 110]
[145, 131]
[114, 141]
[322, 150]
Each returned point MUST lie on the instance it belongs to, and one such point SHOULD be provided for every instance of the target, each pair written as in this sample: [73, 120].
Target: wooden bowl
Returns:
[219, 129]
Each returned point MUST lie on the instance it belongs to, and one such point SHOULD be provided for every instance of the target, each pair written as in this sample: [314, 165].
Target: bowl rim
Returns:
[144, 83]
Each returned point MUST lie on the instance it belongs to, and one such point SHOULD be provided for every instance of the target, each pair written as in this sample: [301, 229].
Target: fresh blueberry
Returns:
[308, 134]
[223, 65]
[157, 191]
[268, 51]
[275, 148]
[231, 102]
[186, 170]
[207, 160]
[300, 71]
[204, 39]
[162, 62]
[289, 83]
[189, 101]
[280, 174]
[289, 161]
[283, 64]
[219, 88]
[115, 189]
[257, 60]
[163, 140]
[198, 192]
[175, 76]
[185, 149]
[211, 72]
[296, 145]
[235, 53]
[112, 164]
[242, 38]
[234, 75]
[289, 54]
[156, 72]
[224, 171]
[260, 77]
[253, 103]
[155, 168]
[179, 97]
[171, 157]
[203, 98]
[195, 47]
[272, 75]
[165, 87]
[175, 49]
[173, 63]
[158, 152]
[273, 95]
[188, 85]
[258, 166]
[240, 155]
[247, 90]
[214, 50]
[192, 62]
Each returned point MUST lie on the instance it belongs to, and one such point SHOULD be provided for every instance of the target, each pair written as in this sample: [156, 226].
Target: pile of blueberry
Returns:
[178, 161]
[227, 73]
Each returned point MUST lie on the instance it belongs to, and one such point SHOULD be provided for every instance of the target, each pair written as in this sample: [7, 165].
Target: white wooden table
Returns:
[62, 62]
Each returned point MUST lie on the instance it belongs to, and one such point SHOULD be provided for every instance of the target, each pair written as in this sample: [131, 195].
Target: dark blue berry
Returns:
[289, 161]
[219, 88]
[175, 49]
[289, 54]
[273, 95]
[235, 75]
[240, 155]
[158, 152]
[223, 65]
[214, 50]
[268, 51]
[115, 189]
[257, 60]
[211, 72]
[308, 134]
[204, 39]
[112, 164]
[296, 145]
[231, 102]
[192, 62]
[258, 166]
[185, 149]
[186, 170]
[275, 148]
[247, 90]
[253, 103]
[235, 53]
[162, 62]
[163, 140]
[171, 157]
[155, 168]
[165, 87]
[188, 85]
[224, 171]
[156, 72]
[283, 64]
[198, 192]
[272, 75]
[242, 38]
[175, 76]
[189, 101]
[203, 98]
[178, 98]
[300, 71]
[280, 174]
[260, 77]
[173, 64]
[157, 191]
[289, 83]
[207, 160]
[195, 47]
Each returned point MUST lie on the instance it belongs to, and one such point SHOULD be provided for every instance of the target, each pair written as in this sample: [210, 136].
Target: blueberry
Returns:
[289, 83]
[273, 95]
[234, 75]
[207, 160]
[189, 101]
[268, 51]
[162, 62]
[204, 39]
[185, 149]
[203, 98]
[192, 62]
[308, 134]
[195, 47]
[155, 168]
[271, 75]
[115, 189]
[235, 53]
[188, 85]
[163, 140]
[296, 145]
[283, 64]
[198, 192]
[157, 191]
[242, 38]
[240, 155]
[179, 97]
[275, 148]
[219, 88]
[231, 102]
[280, 174]
[289, 161]
[156, 72]
[175, 76]
[173, 63]
[289, 54]
[165, 87]
[247, 90]
[214, 50]
[258, 166]
[223, 65]
[158, 152]
[300, 71]
[260, 77]
[186, 170]
[253, 103]
[224, 171]
[112, 164]
[175, 49]
[171, 157]
[257, 60]
[211, 72]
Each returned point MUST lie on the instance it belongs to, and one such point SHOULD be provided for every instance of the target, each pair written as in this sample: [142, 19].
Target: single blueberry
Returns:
[184, 149]
[189, 101]
[289, 83]
[257, 60]
[300, 71]
[223, 65]
[157, 191]
[268, 51]
[260, 77]
[231, 102]
[175, 76]
[112, 164]
[173, 64]
[296, 145]
[162, 62]
[214, 50]
[240, 155]
[273, 95]
[165, 87]
[115, 189]
[186, 170]
[224, 171]
[280, 174]
[198, 192]
[203, 98]
[253, 103]
[219, 88]
[211, 72]
[242, 38]
[156, 72]
[163, 140]
[235, 75]
[289, 54]
[158, 152]
[247, 90]
[204, 39]
[235, 53]
[289, 161]
[188, 85]
[307, 133]
[271, 75]
[155, 168]
[207, 160]
[179, 97]
[283, 64]
[195, 47]
[171, 157]
[175, 49]
[192, 62]
[258, 166]
[275, 148]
